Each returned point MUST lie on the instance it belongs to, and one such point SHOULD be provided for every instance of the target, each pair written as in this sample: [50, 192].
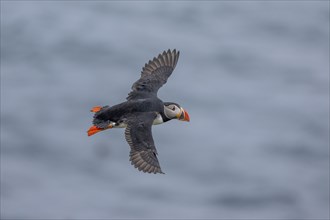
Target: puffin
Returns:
[141, 110]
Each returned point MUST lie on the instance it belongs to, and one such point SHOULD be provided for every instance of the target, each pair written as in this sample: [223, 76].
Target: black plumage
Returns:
[141, 110]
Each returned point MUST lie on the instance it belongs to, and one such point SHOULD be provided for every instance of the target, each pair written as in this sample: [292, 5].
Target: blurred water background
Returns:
[254, 76]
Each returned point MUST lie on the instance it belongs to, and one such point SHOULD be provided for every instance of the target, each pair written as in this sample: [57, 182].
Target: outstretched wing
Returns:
[138, 135]
[154, 75]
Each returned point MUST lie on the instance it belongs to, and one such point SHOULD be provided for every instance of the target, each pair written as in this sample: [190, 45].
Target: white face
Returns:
[172, 111]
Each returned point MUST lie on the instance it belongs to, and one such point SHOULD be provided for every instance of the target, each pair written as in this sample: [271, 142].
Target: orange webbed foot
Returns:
[94, 129]
[96, 109]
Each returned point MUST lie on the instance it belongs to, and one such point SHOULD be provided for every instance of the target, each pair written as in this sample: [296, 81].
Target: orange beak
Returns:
[184, 116]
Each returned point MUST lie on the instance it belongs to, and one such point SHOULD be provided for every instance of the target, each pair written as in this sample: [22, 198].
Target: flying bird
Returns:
[141, 110]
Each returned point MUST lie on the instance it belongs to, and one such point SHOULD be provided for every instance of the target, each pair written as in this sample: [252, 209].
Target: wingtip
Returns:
[144, 167]
[157, 171]
[174, 51]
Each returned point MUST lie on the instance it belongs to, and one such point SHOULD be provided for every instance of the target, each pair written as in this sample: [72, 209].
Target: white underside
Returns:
[158, 120]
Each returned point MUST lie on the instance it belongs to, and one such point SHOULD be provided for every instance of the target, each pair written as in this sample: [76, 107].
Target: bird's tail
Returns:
[99, 126]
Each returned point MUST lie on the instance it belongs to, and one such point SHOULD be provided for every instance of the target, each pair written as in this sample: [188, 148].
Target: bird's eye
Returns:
[173, 108]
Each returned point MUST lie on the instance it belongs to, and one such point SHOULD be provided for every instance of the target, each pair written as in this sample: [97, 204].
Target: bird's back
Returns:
[123, 110]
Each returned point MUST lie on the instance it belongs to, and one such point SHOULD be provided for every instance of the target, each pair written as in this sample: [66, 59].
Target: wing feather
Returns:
[169, 57]
[161, 60]
[143, 155]
[164, 55]
[154, 75]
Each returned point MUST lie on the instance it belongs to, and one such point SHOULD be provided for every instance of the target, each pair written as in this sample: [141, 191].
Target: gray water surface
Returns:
[254, 77]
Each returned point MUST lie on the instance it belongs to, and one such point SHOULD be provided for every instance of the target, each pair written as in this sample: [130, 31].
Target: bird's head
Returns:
[175, 111]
